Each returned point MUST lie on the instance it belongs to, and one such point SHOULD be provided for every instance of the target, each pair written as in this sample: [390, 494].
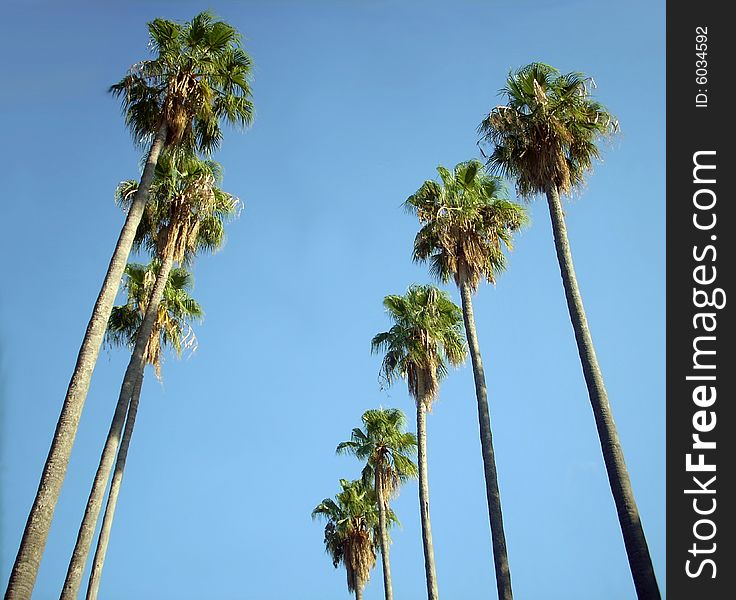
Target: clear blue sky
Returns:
[357, 103]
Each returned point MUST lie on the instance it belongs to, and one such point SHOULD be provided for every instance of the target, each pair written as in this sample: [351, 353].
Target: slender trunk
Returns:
[383, 532]
[25, 569]
[493, 495]
[112, 499]
[133, 373]
[358, 593]
[429, 567]
[635, 542]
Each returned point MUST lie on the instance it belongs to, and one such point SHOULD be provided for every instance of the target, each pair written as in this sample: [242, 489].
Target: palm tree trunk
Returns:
[358, 593]
[635, 542]
[493, 495]
[117, 478]
[387, 586]
[429, 566]
[35, 534]
[133, 373]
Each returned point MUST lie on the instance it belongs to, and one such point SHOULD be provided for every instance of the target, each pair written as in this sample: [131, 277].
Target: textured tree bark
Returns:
[493, 495]
[635, 542]
[133, 373]
[429, 566]
[358, 593]
[387, 585]
[117, 478]
[25, 569]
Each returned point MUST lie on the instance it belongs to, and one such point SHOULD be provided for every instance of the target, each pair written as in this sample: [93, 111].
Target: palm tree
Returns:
[198, 78]
[425, 337]
[466, 221]
[172, 330]
[349, 533]
[545, 138]
[191, 212]
[387, 450]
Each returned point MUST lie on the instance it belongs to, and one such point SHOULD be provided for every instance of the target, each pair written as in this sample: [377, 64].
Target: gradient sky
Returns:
[357, 103]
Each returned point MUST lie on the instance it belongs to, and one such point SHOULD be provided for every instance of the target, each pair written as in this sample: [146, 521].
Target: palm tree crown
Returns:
[199, 77]
[187, 210]
[426, 335]
[385, 447]
[176, 310]
[466, 220]
[352, 517]
[546, 133]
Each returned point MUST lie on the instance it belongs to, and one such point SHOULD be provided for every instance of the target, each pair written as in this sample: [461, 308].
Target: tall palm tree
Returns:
[349, 533]
[192, 210]
[387, 449]
[466, 220]
[172, 330]
[545, 138]
[425, 338]
[198, 78]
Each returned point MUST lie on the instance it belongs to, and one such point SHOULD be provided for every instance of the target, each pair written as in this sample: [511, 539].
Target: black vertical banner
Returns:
[701, 246]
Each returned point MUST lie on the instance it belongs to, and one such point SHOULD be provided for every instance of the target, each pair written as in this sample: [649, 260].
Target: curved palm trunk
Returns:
[637, 550]
[493, 495]
[133, 373]
[387, 585]
[35, 534]
[429, 566]
[112, 499]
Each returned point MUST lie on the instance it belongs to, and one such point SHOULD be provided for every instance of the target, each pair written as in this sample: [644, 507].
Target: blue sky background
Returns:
[357, 103]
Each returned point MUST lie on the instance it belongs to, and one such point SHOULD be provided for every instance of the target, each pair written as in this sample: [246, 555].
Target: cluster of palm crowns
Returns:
[543, 138]
[174, 106]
